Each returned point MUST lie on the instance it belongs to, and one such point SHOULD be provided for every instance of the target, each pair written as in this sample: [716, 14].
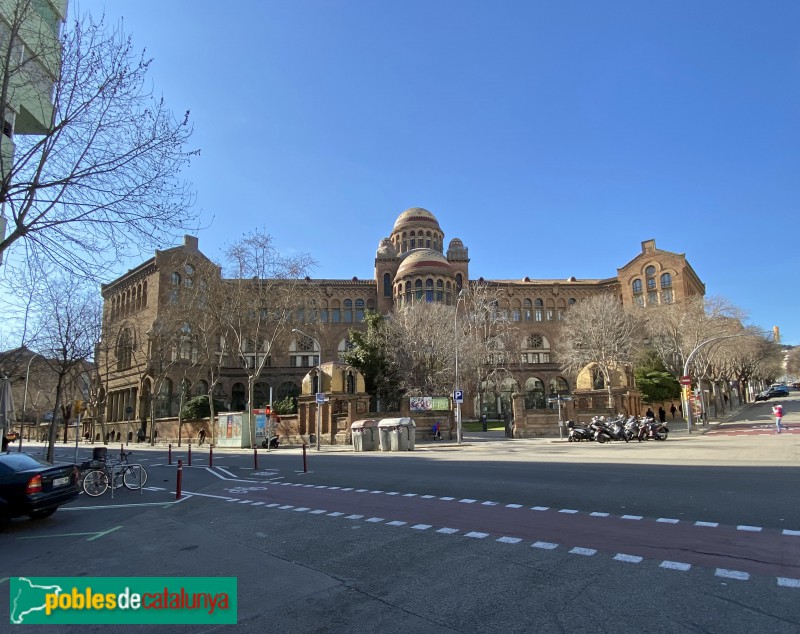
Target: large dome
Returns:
[416, 216]
[421, 261]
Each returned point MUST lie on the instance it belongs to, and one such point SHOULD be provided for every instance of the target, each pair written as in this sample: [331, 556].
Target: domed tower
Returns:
[410, 265]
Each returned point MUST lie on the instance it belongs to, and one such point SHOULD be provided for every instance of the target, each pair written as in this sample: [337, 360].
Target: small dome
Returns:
[416, 216]
[457, 250]
[386, 249]
[420, 261]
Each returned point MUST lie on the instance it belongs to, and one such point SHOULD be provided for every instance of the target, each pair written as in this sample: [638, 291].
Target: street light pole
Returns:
[686, 404]
[319, 382]
[25, 397]
[461, 295]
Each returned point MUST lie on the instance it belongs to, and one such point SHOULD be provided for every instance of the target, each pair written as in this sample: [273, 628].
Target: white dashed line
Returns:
[675, 565]
[421, 527]
[513, 506]
[334, 488]
[467, 501]
[447, 499]
[302, 509]
[708, 524]
[376, 491]
[631, 517]
[788, 532]
[396, 523]
[540, 508]
[376, 520]
[489, 503]
[732, 574]
[448, 531]
[286, 506]
[273, 505]
[361, 490]
[353, 517]
[632, 559]
[348, 489]
[409, 495]
[544, 545]
[752, 529]
[476, 535]
[667, 520]
[322, 486]
[588, 552]
[428, 497]
[318, 512]
[509, 540]
[257, 503]
[788, 583]
[598, 514]
[570, 511]
[335, 514]
[393, 493]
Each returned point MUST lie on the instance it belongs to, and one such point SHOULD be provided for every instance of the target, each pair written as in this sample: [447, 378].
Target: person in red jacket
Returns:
[778, 411]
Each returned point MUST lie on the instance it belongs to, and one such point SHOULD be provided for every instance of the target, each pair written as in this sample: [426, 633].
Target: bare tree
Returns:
[102, 177]
[260, 301]
[599, 332]
[69, 313]
[793, 361]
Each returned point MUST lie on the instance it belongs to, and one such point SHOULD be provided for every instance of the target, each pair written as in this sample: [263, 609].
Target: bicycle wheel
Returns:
[95, 483]
[135, 476]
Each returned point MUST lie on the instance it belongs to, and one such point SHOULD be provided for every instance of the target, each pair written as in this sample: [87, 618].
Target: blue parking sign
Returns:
[458, 396]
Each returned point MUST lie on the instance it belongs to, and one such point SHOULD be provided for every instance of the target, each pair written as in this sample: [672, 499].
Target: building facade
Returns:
[413, 264]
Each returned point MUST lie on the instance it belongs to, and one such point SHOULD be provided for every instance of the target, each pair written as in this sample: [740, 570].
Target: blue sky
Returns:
[551, 137]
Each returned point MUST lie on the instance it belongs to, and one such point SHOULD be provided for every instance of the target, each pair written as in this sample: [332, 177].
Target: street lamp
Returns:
[25, 397]
[319, 381]
[462, 294]
[686, 377]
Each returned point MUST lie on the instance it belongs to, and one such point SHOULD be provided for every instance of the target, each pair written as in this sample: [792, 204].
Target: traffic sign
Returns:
[458, 396]
[320, 397]
[686, 380]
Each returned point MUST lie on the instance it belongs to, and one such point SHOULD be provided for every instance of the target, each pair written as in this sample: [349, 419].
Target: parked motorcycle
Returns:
[274, 442]
[578, 432]
[602, 432]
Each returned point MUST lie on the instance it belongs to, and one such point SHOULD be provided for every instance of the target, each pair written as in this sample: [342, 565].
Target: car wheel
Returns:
[40, 515]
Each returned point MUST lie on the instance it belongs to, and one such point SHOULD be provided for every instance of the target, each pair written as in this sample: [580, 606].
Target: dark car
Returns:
[778, 390]
[33, 487]
[763, 396]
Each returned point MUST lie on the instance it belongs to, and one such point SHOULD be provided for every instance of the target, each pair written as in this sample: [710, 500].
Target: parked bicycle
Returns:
[98, 474]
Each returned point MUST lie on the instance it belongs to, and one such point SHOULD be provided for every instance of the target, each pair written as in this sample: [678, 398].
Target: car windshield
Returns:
[11, 462]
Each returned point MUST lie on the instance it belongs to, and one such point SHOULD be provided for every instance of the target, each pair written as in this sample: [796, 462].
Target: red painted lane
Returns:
[767, 552]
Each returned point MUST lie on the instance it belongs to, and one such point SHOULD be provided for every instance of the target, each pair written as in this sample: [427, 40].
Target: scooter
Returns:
[578, 432]
[273, 442]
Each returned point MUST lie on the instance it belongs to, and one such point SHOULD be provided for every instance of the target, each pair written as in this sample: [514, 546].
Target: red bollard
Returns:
[210, 456]
[121, 450]
[180, 480]
[190, 454]
[305, 462]
[255, 458]
[169, 454]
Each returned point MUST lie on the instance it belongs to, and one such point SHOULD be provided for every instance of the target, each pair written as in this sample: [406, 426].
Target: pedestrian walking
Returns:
[649, 413]
[777, 410]
[680, 409]
[662, 414]
[672, 410]
[202, 435]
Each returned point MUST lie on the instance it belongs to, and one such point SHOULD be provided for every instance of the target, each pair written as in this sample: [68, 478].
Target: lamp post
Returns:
[687, 388]
[461, 295]
[25, 396]
[319, 382]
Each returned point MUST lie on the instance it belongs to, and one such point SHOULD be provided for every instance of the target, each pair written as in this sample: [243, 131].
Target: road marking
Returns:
[598, 514]
[752, 529]
[489, 503]
[513, 506]
[208, 495]
[788, 532]
[119, 506]
[95, 534]
[570, 511]
[788, 583]
[476, 535]
[303, 509]
[667, 520]
[468, 501]
[675, 565]
[509, 540]
[544, 545]
[448, 531]
[732, 574]
[396, 523]
[709, 524]
[540, 508]
[588, 552]
[421, 527]
[631, 517]
[334, 514]
[377, 520]
[632, 559]
[428, 497]
[318, 512]
[353, 517]
[447, 499]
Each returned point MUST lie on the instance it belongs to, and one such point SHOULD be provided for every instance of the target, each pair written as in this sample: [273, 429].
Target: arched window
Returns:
[527, 310]
[559, 385]
[351, 383]
[200, 388]
[387, 285]
[418, 290]
[344, 346]
[650, 274]
[598, 380]
[666, 280]
[303, 352]
[359, 310]
[538, 311]
[536, 349]
[429, 290]
[459, 281]
[534, 394]
[238, 397]
[175, 278]
[348, 310]
[439, 291]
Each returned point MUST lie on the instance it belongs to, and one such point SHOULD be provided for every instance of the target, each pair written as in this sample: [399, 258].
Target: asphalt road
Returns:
[699, 533]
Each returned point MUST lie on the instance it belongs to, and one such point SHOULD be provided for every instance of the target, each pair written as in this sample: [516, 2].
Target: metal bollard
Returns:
[169, 454]
[255, 458]
[210, 456]
[180, 480]
[305, 460]
[190, 454]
